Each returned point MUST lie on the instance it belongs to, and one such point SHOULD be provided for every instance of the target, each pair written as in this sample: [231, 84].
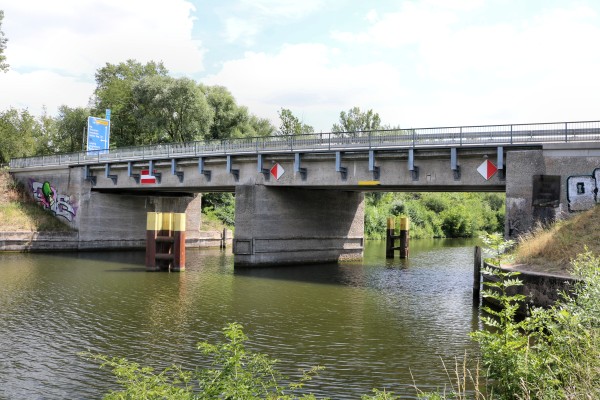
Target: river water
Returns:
[374, 324]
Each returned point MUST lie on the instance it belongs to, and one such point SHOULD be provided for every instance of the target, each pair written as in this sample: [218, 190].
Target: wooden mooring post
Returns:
[477, 274]
[390, 237]
[224, 239]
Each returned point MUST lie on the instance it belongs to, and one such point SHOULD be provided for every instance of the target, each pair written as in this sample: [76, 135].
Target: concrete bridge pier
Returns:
[287, 225]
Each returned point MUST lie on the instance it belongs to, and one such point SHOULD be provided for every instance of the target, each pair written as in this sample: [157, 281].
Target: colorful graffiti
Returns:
[61, 205]
[582, 191]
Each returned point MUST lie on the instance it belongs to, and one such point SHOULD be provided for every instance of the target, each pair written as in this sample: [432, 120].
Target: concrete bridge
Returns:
[299, 199]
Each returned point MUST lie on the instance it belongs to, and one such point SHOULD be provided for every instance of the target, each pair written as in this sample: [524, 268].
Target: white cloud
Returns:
[34, 90]
[247, 18]
[531, 69]
[309, 79]
[74, 38]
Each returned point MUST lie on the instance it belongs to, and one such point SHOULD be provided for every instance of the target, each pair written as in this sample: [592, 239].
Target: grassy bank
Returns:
[551, 249]
[19, 213]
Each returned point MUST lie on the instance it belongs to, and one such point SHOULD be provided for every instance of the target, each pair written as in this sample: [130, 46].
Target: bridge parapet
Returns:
[416, 138]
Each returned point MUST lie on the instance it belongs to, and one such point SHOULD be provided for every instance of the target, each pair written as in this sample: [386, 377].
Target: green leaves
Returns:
[496, 247]
[553, 353]
[235, 373]
[291, 125]
[356, 120]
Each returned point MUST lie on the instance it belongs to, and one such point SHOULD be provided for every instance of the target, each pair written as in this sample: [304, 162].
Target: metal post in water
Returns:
[178, 250]
[153, 225]
[389, 237]
[476, 273]
[404, 228]
[224, 239]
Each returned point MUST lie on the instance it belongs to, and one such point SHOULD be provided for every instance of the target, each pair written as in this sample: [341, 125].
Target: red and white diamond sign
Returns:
[277, 171]
[487, 169]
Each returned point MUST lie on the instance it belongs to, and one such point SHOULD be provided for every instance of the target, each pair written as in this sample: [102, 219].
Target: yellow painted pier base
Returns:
[390, 237]
[165, 241]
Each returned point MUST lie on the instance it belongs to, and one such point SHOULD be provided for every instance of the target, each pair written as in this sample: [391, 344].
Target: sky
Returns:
[418, 63]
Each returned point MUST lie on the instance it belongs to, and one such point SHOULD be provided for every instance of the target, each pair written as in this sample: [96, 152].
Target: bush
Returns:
[235, 374]
[552, 354]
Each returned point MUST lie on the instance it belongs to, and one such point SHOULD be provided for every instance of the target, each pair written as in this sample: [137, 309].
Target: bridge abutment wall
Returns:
[285, 225]
[550, 183]
[101, 220]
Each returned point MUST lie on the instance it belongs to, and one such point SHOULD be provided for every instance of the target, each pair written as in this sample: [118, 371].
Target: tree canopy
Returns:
[291, 125]
[171, 110]
[356, 120]
[114, 91]
[19, 132]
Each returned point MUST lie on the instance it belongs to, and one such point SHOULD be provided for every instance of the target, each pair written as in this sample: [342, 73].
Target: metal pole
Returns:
[404, 227]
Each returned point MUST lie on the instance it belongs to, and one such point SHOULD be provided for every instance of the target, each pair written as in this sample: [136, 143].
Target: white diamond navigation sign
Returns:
[487, 169]
[277, 171]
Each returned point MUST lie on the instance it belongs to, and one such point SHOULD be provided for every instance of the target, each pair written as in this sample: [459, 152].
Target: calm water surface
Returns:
[371, 324]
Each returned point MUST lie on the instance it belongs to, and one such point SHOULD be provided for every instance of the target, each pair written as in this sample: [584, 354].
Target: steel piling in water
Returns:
[165, 241]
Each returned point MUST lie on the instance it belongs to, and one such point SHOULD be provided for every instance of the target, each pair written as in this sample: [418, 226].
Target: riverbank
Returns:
[549, 250]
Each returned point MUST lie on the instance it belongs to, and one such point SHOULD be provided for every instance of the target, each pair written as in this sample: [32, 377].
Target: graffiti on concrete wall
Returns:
[60, 204]
[582, 191]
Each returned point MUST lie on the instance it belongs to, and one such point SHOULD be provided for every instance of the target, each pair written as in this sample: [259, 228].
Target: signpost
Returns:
[98, 135]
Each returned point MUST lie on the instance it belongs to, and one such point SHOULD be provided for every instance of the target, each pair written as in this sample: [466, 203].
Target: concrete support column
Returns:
[284, 225]
[520, 168]
[193, 216]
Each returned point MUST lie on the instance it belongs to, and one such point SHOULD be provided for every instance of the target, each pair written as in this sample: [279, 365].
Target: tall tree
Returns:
[70, 125]
[173, 110]
[291, 125]
[3, 40]
[260, 127]
[228, 116]
[114, 90]
[356, 120]
[18, 134]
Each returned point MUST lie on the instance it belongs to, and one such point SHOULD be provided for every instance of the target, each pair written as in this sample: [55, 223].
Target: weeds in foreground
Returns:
[236, 373]
[552, 354]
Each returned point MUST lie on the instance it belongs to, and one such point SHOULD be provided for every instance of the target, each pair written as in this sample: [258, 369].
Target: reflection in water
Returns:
[371, 324]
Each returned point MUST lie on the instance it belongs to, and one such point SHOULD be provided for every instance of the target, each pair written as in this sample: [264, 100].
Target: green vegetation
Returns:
[552, 354]
[551, 248]
[436, 215]
[236, 373]
[218, 208]
[291, 125]
[356, 120]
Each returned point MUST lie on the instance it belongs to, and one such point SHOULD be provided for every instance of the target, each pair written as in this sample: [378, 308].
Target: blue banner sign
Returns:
[98, 135]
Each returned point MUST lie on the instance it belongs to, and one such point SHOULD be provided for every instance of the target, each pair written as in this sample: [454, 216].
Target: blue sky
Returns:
[417, 63]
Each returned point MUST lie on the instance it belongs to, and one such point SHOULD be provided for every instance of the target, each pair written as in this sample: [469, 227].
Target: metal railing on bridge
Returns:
[492, 135]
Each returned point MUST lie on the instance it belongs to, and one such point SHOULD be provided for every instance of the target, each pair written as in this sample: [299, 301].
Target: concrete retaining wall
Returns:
[541, 290]
[69, 241]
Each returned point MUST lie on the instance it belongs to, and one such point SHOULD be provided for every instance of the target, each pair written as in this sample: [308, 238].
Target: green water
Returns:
[374, 324]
